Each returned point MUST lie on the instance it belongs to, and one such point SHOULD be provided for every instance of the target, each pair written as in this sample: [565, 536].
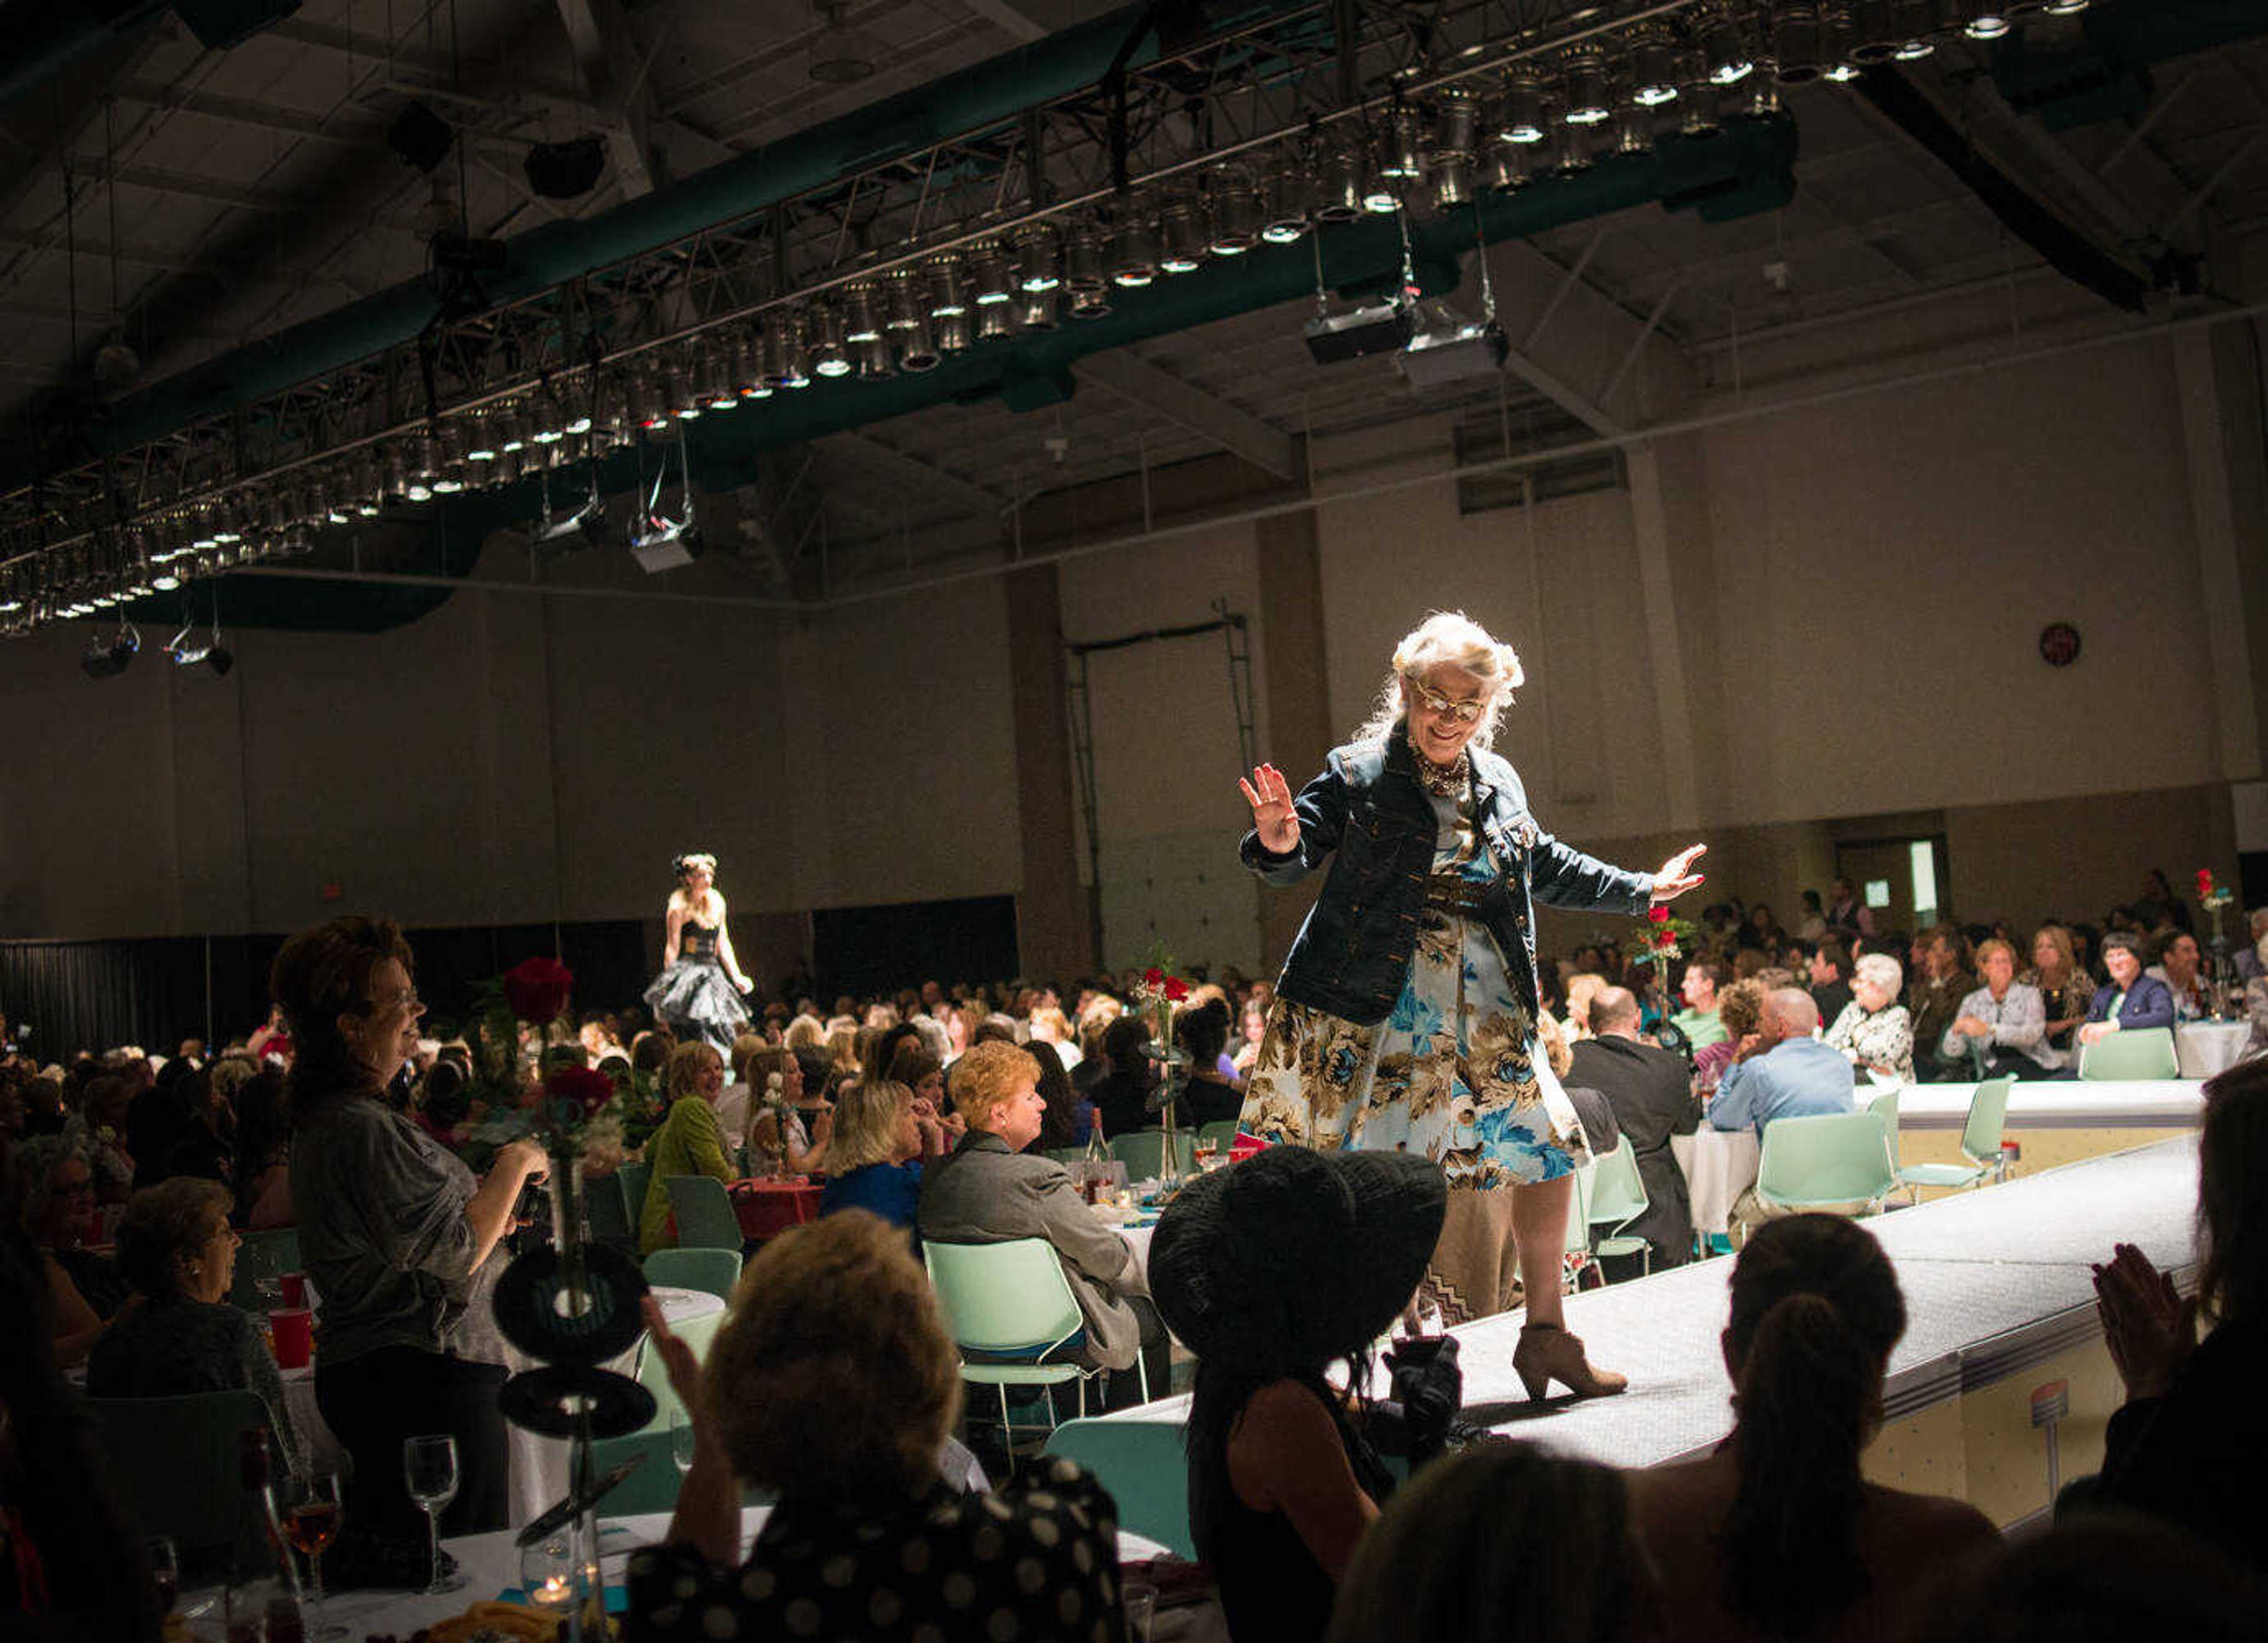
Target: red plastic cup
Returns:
[295, 1337]
[295, 1288]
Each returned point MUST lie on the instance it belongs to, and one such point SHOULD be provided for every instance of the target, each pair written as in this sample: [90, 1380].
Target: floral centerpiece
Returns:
[531, 1071]
[2215, 898]
[1665, 941]
[1155, 996]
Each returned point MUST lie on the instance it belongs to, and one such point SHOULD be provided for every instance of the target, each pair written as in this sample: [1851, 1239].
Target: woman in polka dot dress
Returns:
[833, 1383]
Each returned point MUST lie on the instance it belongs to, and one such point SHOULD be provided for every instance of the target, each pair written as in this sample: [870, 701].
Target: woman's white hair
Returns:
[1451, 637]
[1879, 969]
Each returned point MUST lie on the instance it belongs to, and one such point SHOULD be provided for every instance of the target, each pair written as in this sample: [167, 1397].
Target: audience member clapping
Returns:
[178, 1335]
[1505, 1541]
[1271, 1271]
[1777, 1534]
[833, 1382]
[2187, 1444]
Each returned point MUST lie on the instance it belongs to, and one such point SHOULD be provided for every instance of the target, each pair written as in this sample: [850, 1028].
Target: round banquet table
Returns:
[2205, 1049]
[1719, 1165]
[767, 1208]
[538, 1464]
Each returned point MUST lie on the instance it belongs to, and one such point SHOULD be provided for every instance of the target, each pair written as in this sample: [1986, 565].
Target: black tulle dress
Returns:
[695, 996]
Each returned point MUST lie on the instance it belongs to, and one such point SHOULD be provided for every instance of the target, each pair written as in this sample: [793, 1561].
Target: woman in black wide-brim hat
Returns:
[1270, 1271]
[1406, 1016]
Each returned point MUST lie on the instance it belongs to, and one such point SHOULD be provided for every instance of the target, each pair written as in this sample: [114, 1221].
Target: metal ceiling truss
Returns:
[1325, 98]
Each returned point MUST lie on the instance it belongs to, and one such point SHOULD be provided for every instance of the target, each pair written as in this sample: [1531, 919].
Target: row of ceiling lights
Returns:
[1542, 118]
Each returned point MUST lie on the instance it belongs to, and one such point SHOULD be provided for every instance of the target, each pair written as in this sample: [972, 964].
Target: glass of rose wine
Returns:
[313, 1523]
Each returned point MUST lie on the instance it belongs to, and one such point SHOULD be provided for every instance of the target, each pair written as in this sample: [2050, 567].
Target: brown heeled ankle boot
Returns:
[1546, 1353]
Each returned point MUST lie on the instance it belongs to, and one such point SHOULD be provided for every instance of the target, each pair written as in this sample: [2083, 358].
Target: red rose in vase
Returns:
[1177, 990]
[536, 990]
[2205, 882]
[589, 1090]
[1659, 913]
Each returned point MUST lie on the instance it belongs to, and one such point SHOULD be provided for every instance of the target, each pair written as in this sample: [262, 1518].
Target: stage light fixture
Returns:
[565, 171]
[1092, 303]
[481, 441]
[718, 390]
[955, 333]
[1523, 117]
[862, 321]
[1838, 44]
[1911, 24]
[1401, 152]
[784, 365]
[909, 301]
[1285, 208]
[1723, 48]
[1376, 329]
[1134, 250]
[1453, 351]
[1039, 309]
[677, 393]
[576, 404]
[1083, 260]
[546, 423]
[946, 296]
[1654, 67]
[1633, 131]
[1571, 150]
[107, 659]
[1986, 22]
[658, 541]
[2066, 8]
[990, 281]
[872, 358]
[1507, 170]
[1873, 33]
[996, 322]
[1698, 110]
[828, 356]
[1583, 86]
[1341, 182]
[840, 55]
[425, 467]
[1797, 55]
[1183, 241]
[1237, 216]
[1039, 258]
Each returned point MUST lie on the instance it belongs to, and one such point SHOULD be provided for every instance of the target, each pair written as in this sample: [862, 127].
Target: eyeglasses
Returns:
[409, 1001]
[1464, 712]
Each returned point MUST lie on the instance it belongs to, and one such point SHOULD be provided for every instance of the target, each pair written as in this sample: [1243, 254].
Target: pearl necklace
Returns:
[1442, 780]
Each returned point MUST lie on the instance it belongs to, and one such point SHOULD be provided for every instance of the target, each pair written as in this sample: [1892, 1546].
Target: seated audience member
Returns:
[2130, 1001]
[1122, 1094]
[1456, 1554]
[1051, 1026]
[2180, 966]
[1093, 1063]
[1874, 1030]
[1270, 1271]
[1846, 911]
[1697, 1020]
[2186, 1445]
[1933, 998]
[1582, 987]
[1251, 1027]
[988, 1191]
[1776, 1534]
[832, 1382]
[1828, 969]
[1739, 1010]
[882, 1138]
[263, 1154]
[2159, 907]
[1784, 1073]
[99, 1130]
[2066, 989]
[2107, 1576]
[1647, 1088]
[176, 1247]
[2246, 960]
[72, 1569]
[688, 1142]
[913, 1064]
[56, 1188]
[1207, 1097]
[1070, 1120]
[2002, 1028]
[780, 1138]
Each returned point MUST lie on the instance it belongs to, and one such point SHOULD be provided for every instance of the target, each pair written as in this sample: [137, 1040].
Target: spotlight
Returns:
[872, 357]
[990, 282]
[577, 402]
[1583, 82]
[1634, 131]
[1796, 45]
[784, 365]
[1986, 22]
[909, 322]
[1185, 238]
[1723, 49]
[1521, 119]
[102, 660]
[945, 297]
[677, 394]
[1375, 329]
[1237, 219]
[1402, 154]
[1911, 24]
[1340, 189]
[1872, 30]
[1134, 252]
[1285, 207]
[1083, 269]
[827, 355]
[425, 467]
[1038, 310]
[1452, 352]
[649, 399]
[659, 542]
[839, 55]
[1837, 43]
[565, 171]
[1037, 258]
[1571, 149]
[996, 322]
[955, 334]
[715, 385]
[1508, 171]
[546, 424]
[1697, 108]
[860, 322]
[1654, 68]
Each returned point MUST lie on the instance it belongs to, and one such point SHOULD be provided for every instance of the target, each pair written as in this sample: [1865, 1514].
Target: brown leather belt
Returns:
[1462, 896]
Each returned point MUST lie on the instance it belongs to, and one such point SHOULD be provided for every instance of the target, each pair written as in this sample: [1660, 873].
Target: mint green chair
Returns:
[1011, 1314]
[1144, 1153]
[1980, 1144]
[704, 1215]
[1826, 1161]
[606, 1213]
[652, 1487]
[1615, 1198]
[1068, 1155]
[1144, 1465]
[1577, 1253]
[1885, 1106]
[2146, 1052]
[714, 1270]
[174, 1460]
[262, 1257]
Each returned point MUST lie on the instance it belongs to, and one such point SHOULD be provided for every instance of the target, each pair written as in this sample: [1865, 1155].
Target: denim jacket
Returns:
[1368, 813]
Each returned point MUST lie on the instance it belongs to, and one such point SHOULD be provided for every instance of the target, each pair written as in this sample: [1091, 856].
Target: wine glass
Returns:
[681, 1438]
[313, 1523]
[164, 1569]
[429, 1467]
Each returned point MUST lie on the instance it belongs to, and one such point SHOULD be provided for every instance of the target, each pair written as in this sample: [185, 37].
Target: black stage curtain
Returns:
[157, 991]
[878, 949]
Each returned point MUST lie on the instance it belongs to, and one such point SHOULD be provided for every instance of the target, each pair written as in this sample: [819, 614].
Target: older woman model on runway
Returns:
[1406, 1016]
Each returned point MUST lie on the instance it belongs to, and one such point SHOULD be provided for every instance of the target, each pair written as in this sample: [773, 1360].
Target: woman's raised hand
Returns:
[1677, 875]
[1272, 815]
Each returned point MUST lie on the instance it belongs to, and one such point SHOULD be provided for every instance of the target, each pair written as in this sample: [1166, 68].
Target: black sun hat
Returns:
[1280, 1263]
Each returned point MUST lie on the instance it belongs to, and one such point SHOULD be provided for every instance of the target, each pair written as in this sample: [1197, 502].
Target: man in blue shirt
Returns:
[1782, 1073]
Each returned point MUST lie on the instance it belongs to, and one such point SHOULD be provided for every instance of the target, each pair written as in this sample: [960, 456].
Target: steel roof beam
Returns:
[1132, 378]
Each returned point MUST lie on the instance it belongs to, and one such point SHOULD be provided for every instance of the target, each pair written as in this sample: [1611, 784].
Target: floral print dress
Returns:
[1454, 1071]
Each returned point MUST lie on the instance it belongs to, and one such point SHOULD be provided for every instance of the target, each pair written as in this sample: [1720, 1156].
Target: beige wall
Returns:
[1855, 594]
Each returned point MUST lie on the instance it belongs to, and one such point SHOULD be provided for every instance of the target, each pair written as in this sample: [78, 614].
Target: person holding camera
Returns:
[1270, 1271]
[392, 1228]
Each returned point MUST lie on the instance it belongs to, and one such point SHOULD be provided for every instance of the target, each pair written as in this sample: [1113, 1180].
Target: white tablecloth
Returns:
[2203, 1049]
[539, 1465]
[1719, 1165]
